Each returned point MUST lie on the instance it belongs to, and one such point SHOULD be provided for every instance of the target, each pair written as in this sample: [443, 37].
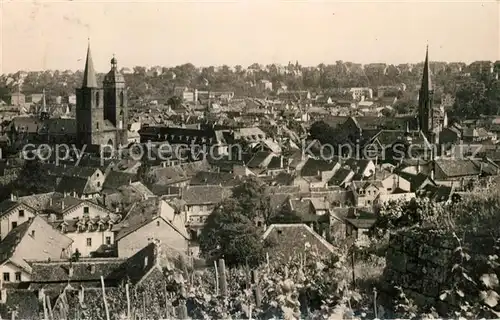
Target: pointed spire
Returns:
[44, 105]
[89, 79]
[426, 76]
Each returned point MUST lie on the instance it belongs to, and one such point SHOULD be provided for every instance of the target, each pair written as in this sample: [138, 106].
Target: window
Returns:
[86, 210]
[108, 240]
[158, 223]
[122, 98]
[89, 242]
[18, 276]
[98, 183]
[97, 99]
[97, 125]
[14, 224]
[6, 276]
[21, 213]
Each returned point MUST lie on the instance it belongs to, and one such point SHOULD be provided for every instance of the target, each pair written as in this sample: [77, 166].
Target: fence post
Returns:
[222, 277]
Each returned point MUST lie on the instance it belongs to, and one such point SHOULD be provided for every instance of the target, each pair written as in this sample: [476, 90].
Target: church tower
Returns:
[426, 117]
[115, 101]
[89, 106]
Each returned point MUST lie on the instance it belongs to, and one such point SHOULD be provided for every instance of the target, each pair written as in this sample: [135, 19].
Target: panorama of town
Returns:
[341, 191]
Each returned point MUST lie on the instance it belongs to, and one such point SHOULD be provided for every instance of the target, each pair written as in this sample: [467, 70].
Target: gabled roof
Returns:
[457, 167]
[214, 178]
[204, 195]
[116, 179]
[294, 239]
[33, 239]
[142, 213]
[312, 166]
[340, 176]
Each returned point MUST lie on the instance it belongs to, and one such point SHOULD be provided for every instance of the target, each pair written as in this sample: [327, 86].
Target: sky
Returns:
[49, 35]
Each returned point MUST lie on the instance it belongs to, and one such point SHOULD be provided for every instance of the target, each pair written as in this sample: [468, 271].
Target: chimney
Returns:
[129, 181]
[117, 209]
[50, 202]
[92, 268]
[12, 197]
[70, 272]
[62, 205]
[281, 162]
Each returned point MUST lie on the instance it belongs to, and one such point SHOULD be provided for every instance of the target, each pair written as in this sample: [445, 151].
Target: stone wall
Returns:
[420, 261]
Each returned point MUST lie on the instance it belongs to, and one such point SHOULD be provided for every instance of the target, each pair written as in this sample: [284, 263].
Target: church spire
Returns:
[89, 79]
[44, 104]
[426, 76]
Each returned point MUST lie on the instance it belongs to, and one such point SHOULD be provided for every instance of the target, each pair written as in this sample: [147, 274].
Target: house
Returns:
[76, 283]
[88, 224]
[294, 241]
[358, 223]
[152, 218]
[457, 171]
[387, 198]
[12, 214]
[342, 177]
[365, 192]
[209, 178]
[33, 239]
[87, 273]
[200, 201]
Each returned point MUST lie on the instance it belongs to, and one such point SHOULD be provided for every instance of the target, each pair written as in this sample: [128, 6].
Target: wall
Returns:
[157, 229]
[13, 216]
[98, 239]
[12, 269]
[421, 261]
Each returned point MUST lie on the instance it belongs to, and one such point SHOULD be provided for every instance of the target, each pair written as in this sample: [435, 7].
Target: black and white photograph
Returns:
[249, 159]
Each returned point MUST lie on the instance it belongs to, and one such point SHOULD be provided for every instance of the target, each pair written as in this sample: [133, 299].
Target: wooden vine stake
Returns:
[257, 292]
[49, 305]
[216, 279]
[127, 292]
[182, 309]
[104, 298]
[222, 277]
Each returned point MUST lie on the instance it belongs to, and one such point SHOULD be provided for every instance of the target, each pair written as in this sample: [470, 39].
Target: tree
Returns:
[286, 215]
[32, 179]
[253, 198]
[144, 174]
[174, 102]
[230, 234]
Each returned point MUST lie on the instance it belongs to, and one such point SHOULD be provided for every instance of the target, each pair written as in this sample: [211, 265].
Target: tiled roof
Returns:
[199, 195]
[214, 178]
[72, 184]
[34, 239]
[116, 179]
[293, 239]
[260, 159]
[340, 176]
[71, 171]
[457, 167]
[143, 213]
[312, 166]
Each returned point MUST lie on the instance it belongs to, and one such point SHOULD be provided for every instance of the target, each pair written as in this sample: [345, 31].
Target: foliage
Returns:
[253, 199]
[32, 179]
[230, 234]
[477, 97]
[144, 174]
[286, 215]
